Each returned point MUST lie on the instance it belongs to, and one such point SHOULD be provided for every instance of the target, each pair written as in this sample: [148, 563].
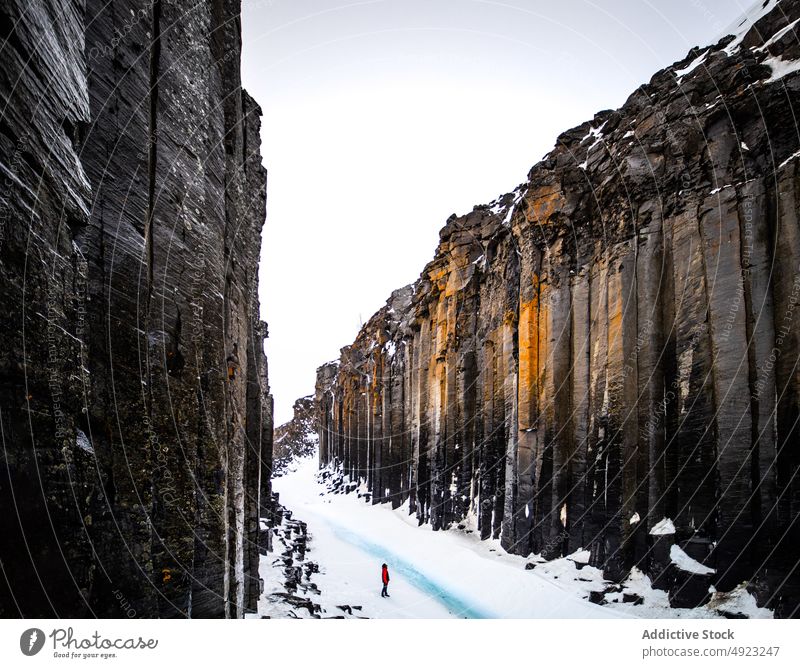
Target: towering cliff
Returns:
[613, 344]
[136, 414]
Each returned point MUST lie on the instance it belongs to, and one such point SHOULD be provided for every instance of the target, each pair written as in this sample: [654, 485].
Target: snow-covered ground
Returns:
[447, 573]
[348, 576]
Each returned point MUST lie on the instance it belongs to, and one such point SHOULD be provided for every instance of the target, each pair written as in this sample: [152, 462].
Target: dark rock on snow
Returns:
[291, 592]
[597, 597]
[632, 598]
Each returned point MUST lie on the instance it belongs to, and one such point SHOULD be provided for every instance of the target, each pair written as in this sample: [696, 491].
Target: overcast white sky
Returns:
[383, 117]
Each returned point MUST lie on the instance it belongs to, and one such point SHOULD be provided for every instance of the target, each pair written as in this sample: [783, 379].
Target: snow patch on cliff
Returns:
[83, 442]
[691, 66]
[664, 528]
[780, 67]
[742, 26]
[686, 563]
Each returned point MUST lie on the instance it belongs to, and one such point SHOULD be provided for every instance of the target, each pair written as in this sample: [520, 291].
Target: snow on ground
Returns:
[454, 573]
[348, 575]
[434, 574]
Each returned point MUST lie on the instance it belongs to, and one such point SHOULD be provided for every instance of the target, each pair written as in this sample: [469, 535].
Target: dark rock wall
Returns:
[134, 461]
[616, 340]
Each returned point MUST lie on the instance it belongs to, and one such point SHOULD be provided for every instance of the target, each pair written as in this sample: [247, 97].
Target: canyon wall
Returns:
[612, 344]
[136, 414]
[297, 438]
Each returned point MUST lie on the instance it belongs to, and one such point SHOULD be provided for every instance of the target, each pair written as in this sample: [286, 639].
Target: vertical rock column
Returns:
[145, 153]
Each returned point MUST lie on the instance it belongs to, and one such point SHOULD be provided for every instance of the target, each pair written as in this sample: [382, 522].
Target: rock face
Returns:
[612, 344]
[136, 414]
[296, 438]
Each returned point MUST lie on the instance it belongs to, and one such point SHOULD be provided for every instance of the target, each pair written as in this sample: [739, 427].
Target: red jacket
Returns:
[385, 575]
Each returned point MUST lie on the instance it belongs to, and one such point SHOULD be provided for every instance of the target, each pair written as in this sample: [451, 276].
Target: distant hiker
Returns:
[385, 579]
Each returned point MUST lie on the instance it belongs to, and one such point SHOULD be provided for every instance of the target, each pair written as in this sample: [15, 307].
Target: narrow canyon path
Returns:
[434, 574]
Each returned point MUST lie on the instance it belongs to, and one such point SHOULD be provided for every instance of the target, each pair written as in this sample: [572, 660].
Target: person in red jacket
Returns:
[385, 579]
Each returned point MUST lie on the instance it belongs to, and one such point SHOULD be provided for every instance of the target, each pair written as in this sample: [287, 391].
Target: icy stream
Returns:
[456, 605]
